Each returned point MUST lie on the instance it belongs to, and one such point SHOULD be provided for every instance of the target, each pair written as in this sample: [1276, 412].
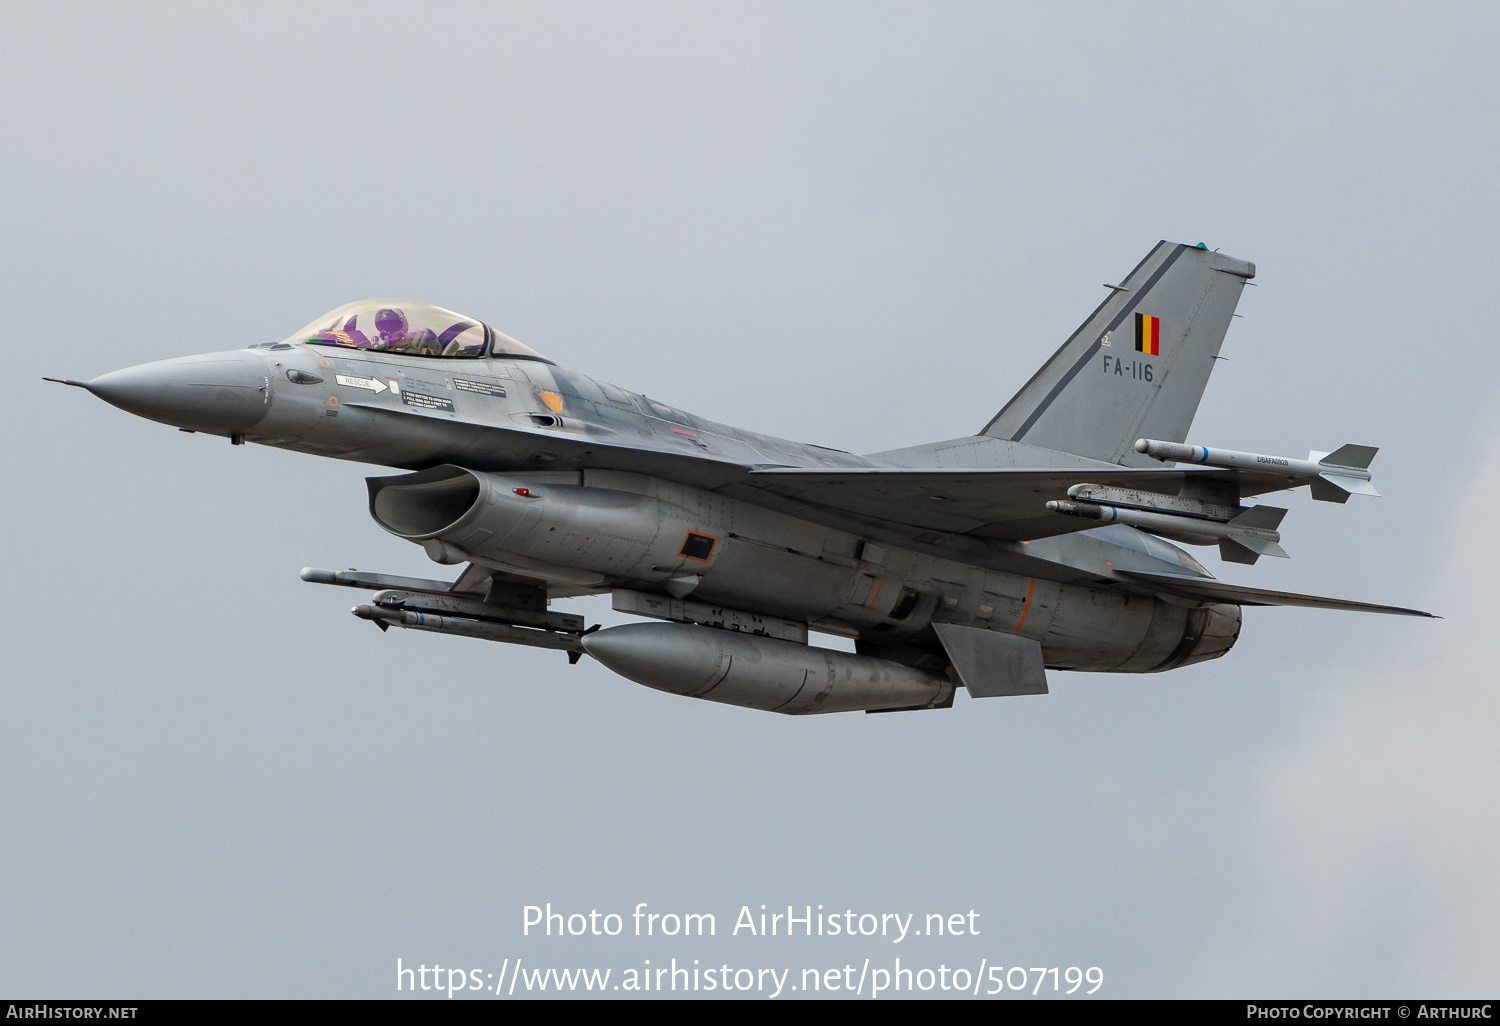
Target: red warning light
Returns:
[523, 491]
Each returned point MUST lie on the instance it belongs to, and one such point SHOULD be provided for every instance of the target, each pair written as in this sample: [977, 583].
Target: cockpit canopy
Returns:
[412, 329]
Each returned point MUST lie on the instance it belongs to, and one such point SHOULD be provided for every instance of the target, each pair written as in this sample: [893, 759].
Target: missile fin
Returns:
[1232, 551]
[1356, 456]
[1258, 544]
[1260, 518]
[1329, 489]
[1353, 485]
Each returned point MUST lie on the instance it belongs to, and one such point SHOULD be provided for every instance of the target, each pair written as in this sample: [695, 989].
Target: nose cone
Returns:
[221, 393]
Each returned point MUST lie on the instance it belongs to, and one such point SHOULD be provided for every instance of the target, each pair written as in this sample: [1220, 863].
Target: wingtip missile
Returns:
[1330, 476]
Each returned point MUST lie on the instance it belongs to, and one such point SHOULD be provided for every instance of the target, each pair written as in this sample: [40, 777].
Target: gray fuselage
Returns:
[484, 431]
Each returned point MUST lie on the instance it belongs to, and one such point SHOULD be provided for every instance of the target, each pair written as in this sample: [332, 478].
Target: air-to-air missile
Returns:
[1243, 535]
[1330, 476]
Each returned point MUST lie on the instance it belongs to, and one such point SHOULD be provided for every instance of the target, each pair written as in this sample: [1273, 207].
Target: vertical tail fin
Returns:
[1138, 366]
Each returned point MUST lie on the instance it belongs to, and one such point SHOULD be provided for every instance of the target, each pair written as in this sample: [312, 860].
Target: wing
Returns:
[1007, 505]
[1218, 591]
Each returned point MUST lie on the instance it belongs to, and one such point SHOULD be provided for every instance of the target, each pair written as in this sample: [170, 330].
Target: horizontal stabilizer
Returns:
[1356, 456]
[1210, 590]
[993, 665]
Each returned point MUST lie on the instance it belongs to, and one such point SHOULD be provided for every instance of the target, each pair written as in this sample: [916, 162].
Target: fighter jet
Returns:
[1037, 543]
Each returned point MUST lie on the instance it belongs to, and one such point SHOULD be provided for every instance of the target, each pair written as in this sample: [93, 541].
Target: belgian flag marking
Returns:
[1148, 334]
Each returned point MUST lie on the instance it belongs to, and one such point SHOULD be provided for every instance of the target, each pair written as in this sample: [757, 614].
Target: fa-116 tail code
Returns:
[1139, 364]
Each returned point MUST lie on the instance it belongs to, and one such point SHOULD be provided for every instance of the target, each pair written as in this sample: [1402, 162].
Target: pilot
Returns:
[391, 324]
[396, 334]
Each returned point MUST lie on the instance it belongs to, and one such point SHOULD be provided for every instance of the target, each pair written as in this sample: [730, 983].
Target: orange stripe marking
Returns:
[1027, 607]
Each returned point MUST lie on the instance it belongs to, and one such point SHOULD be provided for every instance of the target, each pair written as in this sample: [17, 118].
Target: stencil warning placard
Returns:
[482, 387]
[426, 402]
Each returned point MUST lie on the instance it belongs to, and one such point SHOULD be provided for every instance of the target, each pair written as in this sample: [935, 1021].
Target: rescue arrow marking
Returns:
[373, 384]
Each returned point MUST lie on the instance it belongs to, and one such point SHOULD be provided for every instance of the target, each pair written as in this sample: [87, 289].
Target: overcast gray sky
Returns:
[862, 225]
